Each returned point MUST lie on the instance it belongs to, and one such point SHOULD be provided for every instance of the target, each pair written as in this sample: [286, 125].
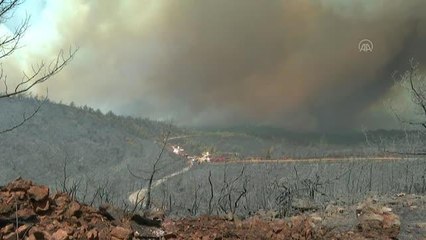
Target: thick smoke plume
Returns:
[290, 63]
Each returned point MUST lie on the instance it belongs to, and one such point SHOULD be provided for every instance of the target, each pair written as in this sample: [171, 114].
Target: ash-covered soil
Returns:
[30, 211]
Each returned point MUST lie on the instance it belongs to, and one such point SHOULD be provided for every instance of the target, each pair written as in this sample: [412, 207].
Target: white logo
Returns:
[365, 45]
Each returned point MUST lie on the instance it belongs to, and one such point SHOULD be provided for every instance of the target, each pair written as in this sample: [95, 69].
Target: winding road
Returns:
[137, 196]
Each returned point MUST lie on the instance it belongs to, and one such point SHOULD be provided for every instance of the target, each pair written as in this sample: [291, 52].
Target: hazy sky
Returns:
[289, 63]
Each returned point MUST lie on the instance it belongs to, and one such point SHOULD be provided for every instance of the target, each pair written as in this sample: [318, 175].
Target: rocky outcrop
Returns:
[43, 215]
[377, 221]
[58, 217]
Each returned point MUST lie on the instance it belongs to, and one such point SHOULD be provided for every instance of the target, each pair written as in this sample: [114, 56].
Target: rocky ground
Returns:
[30, 211]
[410, 208]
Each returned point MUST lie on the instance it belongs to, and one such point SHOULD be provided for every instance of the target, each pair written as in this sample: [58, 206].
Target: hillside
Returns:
[96, 147]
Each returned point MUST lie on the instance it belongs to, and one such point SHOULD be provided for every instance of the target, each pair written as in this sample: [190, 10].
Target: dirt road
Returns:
[313, 160]
[139, 195]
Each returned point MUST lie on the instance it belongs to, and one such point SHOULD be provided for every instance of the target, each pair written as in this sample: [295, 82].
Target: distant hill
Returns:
[350, 137]
[274, 142]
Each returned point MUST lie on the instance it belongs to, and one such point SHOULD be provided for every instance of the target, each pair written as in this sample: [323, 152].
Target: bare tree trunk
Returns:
[147, 204]
[211, 193]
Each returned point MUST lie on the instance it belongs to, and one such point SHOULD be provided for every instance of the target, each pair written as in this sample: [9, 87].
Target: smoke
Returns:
[292, 63]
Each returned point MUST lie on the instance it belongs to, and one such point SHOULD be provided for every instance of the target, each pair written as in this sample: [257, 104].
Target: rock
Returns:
[370, 222]
[20, 195]
[70, 230]
[61, 200]
[6, 208]
[7, 229]
[10, 236]
[92, 235]
[121, 233]
[60, 235]
[41, 206]
[315, 218]
[61, 218]
[26, 213]
[21, 218]
[19, 185]
[38, 193]
[391, 225]
[386, 209]
[22, 230]
[74, 210]
[377, 222]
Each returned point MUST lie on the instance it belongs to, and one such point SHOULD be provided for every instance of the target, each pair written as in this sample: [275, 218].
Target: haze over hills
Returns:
[293, 64]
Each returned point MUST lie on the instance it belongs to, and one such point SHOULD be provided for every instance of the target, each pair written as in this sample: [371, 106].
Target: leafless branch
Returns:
[9, 44]
[25, 118]
[6, 7]
[41, 73]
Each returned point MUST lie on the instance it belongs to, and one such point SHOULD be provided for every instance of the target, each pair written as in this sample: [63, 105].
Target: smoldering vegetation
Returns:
[287, 188]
